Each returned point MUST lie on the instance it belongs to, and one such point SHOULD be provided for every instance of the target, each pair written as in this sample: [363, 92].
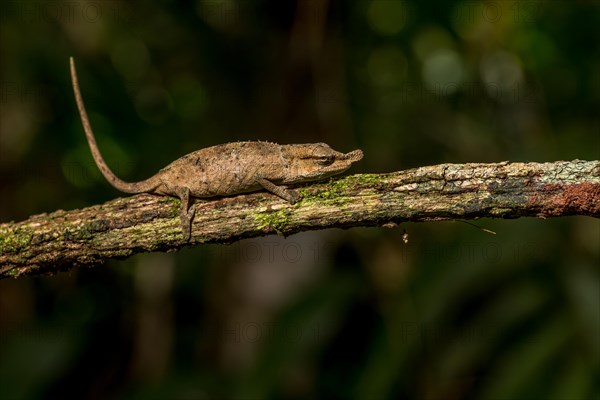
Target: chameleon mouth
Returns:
[353, 156]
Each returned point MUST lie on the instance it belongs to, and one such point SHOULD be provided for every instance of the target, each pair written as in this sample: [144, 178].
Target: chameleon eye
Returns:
[325, 160]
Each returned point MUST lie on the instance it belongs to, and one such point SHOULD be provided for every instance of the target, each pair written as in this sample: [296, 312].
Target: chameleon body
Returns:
[227, 169]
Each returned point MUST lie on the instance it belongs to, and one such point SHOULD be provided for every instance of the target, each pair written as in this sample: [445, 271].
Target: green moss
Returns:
[96, 226]
[13, 240]
[335, 190]
[174, 203]
[365, 179]
[72, 234]
[273, 220]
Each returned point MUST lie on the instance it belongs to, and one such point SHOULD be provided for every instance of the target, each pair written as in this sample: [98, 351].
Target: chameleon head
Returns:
[315, 161]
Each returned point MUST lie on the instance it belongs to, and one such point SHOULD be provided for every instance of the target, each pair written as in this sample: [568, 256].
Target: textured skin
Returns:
[228, 169]
[233, 168]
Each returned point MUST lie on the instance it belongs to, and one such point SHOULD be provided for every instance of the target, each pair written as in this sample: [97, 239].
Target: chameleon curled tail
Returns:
[147, 185]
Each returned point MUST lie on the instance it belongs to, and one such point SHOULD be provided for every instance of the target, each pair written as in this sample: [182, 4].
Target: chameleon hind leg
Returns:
[186, 214]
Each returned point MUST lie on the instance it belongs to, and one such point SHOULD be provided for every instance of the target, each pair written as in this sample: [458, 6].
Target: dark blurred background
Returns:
[456, 313]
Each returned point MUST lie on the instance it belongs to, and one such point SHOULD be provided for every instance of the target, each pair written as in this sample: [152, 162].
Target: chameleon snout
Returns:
[353, 156]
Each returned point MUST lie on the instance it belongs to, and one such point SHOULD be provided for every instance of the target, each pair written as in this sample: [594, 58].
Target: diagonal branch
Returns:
[48, 243]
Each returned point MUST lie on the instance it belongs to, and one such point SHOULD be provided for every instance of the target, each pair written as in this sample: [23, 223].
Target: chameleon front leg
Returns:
[291, 196]
[186, 214]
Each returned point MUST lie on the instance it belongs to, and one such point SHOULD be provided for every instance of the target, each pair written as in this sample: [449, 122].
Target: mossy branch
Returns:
[48, 243]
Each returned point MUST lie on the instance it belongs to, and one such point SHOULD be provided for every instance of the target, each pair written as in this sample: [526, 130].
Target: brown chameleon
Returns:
[227, 169]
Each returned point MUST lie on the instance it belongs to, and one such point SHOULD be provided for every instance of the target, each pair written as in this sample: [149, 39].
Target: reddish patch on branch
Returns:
[583, 198]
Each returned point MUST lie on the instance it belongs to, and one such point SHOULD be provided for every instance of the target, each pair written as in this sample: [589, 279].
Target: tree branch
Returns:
[48, 243]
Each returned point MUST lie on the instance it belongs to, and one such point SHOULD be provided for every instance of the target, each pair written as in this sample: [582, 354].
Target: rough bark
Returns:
[48, 243]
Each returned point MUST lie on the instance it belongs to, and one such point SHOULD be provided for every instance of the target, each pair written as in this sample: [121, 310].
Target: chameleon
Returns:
[226, 169]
